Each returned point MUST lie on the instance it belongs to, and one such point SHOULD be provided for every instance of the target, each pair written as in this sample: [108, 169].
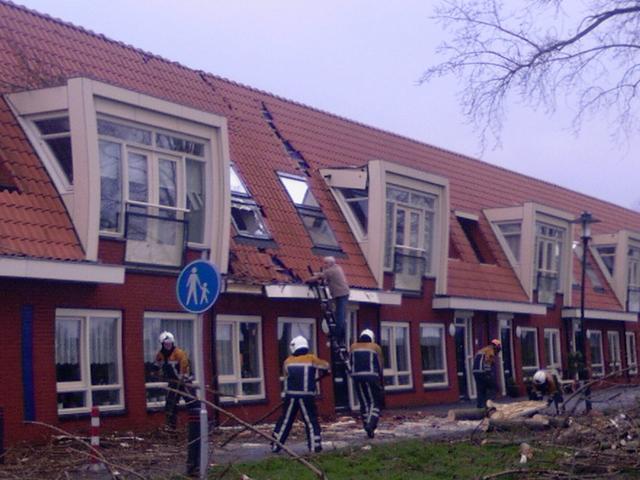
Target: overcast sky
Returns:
[359, 59]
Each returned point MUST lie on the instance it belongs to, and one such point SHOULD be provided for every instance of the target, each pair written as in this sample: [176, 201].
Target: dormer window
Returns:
[56, 134]
[309, 210]
[608, 255]
[245, 213]
[358, 202]
[548, 261]
[512, 233]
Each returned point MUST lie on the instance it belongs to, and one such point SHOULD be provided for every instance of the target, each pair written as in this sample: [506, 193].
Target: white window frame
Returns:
[393, 371]
[236, 377]
[542, 263]
[84, 385]
[529, 370]
[195, 357]
[552, 349]
[515, 260]
[154, 154]
[632, 352]
[599, 366]
[443, 343]
[243, 199]
[615, 350]
[43, 150]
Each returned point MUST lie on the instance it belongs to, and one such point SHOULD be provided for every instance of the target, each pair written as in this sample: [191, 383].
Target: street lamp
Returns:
[585, 220]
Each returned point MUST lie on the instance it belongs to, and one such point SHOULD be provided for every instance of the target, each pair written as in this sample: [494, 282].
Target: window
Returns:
[394, 340]
[595, 348]
[56, 134]
[548, 261]
[615, 355]
[239, 357]
[552, 358]
[289, 328]
[245, 213]
[309, 210]
[632, 353]
[410, 217]
[183, 327]
[511, 232]
[529, 351]
[434, 357]
[633, 300]
[358, 202]
[608, 256]
[88, 360]
[146, 171]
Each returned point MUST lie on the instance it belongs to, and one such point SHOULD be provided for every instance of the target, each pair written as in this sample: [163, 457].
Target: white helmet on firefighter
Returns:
[539, 377]
[167, 337]
[368, 333]
[297, 343]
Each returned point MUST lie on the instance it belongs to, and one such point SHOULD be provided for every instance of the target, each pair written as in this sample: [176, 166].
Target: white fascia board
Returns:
[476, 304]
[377, 297]
[61, 270]
[600, 315]
[346, 177]
[244, 288]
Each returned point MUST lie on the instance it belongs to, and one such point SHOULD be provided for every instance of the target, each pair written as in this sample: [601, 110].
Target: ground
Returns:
[158, 455]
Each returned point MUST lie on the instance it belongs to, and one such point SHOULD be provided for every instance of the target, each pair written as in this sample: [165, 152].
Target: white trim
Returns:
[633, 366]
[61, 270]
[393, 371]
[476, 304]
[378, 297]
[556, 352]
[284, 290]
[229, 286]
[613, 340]
[600, 315]
[466, 215]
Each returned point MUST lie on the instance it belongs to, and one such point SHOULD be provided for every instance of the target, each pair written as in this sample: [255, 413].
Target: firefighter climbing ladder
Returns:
[339, 356]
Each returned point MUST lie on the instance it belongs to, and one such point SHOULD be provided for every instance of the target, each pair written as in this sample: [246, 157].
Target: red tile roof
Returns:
[57, 50]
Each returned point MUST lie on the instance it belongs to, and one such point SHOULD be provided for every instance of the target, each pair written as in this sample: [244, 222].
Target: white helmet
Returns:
[298, 343]
[368, 333]
[167, 337]
[539, 377]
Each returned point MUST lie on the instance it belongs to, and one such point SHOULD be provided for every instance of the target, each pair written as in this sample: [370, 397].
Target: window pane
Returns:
[422, 201]
[404, 379]
[179, 144]
[528, 343]
[251, 388]
[249, 350]
[105, 397]
[319, 230]
[138, 177]
[388, 244]
[414, 229]
[182, 330]
[49, 126]
[401, 349]
[227, 389]
[110, 185]
[71, 400]
[287, 330]
[224, 349]
[61, 148]
[397, 195]
[299, 192]
[168, 182]
[237, 186]
[196, 200]
[124, 132]
[595, 345]
[103, 347]
[156, 395]
[248, 220]
[400, 221]
[433, 378]
[431, 348]
[384, 343]
[68, 350]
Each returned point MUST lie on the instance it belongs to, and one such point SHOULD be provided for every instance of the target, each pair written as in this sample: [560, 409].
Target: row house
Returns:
[118, 167]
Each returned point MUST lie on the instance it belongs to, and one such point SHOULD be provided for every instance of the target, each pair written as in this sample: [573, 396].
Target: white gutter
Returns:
[476, 304]
[377, 297]
[600, 315]
[61, 270]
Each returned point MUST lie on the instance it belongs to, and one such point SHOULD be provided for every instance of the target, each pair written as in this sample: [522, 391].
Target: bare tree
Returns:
[539, 52]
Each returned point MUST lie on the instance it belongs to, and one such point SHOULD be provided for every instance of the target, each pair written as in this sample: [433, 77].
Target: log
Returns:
[466, 414]
[516, 409]
[518, 424]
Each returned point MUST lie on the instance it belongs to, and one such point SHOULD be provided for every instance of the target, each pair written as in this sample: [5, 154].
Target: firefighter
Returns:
[173, 363]
[483, 371]
[546, 383]
[300, 370]
[366, 372]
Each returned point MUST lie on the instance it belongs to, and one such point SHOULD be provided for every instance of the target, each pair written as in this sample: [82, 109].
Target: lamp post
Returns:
[585, 220]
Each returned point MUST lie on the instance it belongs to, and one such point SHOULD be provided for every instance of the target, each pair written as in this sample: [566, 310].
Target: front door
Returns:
[506, 356]
[464, 358]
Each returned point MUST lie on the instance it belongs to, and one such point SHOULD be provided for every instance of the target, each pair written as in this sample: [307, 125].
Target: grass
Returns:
[411, 459]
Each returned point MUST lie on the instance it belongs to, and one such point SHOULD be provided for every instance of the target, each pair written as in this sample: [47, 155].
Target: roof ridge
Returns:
[102, 36]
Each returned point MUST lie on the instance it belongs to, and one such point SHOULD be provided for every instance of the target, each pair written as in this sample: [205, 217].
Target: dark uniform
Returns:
[483, 374]
[175, 368]
[366, 372]
[300, 371]
[550, 387]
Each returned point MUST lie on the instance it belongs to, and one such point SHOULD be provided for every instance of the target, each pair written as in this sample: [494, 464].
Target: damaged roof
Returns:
[267, 134]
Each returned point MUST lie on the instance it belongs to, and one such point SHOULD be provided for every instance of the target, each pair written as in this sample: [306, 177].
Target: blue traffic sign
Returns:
[198, 286]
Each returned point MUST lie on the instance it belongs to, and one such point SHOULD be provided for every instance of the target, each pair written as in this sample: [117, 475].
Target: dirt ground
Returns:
[158, 455]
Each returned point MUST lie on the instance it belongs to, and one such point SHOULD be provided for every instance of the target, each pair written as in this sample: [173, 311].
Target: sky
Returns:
[361, 59]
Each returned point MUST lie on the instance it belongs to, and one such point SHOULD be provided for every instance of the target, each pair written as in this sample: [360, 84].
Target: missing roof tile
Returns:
[288, 146]
[7, 181]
